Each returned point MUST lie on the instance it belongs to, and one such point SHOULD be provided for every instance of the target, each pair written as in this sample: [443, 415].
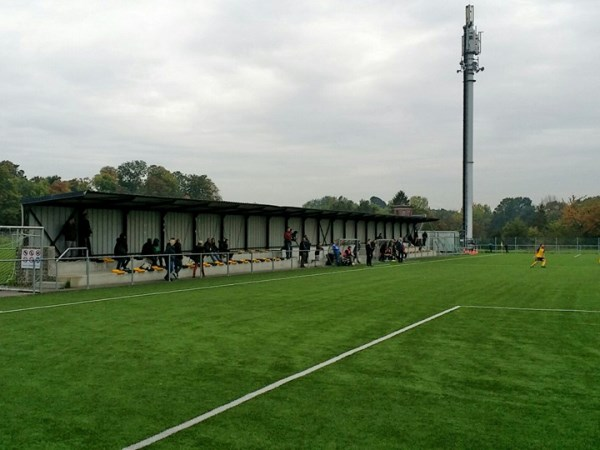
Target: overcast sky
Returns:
[281, 102]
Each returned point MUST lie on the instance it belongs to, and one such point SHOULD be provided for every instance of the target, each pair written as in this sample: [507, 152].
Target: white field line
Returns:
[275, 385]
[577, 255]
[202, 288]
[533, 309]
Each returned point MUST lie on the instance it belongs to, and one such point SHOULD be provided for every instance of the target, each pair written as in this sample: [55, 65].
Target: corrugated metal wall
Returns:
[362, 226]
[389, 232]
[379, 229]
[350, 230]
[296, 224]
[276, 230]
[179, 225]
[310, 229]
[53, 220]
[371, 231]
[338, 229]
[142, 225]
[207, 226]
[106, 225]
[233, 229]
[257, 232]
[325, 231]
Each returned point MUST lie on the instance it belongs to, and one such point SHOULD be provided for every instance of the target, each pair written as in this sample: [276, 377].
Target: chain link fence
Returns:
[524, 244]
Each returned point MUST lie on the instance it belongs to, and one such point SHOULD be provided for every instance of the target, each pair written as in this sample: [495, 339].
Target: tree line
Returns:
[513, 217]
[133, 177]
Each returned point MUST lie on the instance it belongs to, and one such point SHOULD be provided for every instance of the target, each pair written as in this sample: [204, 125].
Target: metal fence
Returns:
[555, 244]
[52, 273]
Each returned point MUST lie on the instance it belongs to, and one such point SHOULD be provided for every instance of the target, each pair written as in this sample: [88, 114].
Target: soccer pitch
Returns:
[461, 352]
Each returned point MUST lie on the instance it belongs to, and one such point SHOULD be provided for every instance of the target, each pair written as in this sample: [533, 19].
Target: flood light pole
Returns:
[469, 66]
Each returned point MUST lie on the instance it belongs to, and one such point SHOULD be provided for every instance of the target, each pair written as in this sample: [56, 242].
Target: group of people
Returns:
[346, 257]
[304, 246]
[172, 257]
[393, 250]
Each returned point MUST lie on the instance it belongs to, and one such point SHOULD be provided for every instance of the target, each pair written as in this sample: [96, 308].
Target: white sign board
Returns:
[31, 258]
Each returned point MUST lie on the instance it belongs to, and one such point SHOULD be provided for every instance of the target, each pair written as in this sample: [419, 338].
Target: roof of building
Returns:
[104, 200]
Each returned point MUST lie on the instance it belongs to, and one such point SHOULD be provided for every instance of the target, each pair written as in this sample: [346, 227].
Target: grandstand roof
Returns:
[104, 200]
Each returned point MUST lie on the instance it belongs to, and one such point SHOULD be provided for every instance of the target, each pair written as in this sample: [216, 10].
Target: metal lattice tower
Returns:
[469, 66]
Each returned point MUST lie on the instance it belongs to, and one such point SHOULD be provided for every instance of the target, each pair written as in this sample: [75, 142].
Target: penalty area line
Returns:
[201, 418]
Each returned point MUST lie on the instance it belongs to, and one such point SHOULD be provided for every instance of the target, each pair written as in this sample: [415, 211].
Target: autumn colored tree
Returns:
[582, 216]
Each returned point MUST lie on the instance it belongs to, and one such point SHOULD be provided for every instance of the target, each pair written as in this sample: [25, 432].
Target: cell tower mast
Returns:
[469, 66]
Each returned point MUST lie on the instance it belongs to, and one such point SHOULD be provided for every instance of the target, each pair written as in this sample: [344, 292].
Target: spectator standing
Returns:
[170, 257]
[356, 252]
[85, 234]
[120, 251]
[69, 231]
[382, 250]
[287, 243]
[198, 258]
[424, 238]
[304, 251]
[178, 257]
[336, 253]
[370, 248]
[318, 250]
[399, 250]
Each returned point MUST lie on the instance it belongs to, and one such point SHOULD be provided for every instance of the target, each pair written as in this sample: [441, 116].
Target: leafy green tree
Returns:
[553, 208]
[368, 206]
[161, 182]
[132, 175]
[107, 180]
[510, 209]
[419, 205]
[197, 186]
[482, 218]
[449, 220]
[515, 228]
[378, 202]
[11, 180]
[35, 187]
[540, 220]
[400, 199]
[332, 203]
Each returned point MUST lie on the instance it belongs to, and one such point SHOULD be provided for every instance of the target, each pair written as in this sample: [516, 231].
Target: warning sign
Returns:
[31, 258]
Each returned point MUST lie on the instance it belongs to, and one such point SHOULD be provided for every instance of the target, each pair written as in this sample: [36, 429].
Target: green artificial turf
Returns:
[135, 361]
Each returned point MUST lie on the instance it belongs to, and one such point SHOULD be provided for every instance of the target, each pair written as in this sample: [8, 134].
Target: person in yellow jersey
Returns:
[540, 256]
